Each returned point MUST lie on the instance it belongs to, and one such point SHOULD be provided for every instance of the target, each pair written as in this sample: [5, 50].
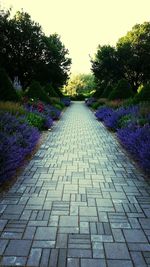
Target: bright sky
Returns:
[84, 24]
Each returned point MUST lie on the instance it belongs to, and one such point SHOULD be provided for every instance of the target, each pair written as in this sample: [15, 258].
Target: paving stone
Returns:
[3, 245]
[43, 244]
[18, 248]
[104, 202]
[134, 236]
[145, 223]
[62, 259]
[102, 238]
[34, 257]
[119, 263]
[88, 211]
[71, 221]
[93, 263]
[53, 258]
[79, 253]
[116, 251]
[62, 240]
[72, 262]
[29, 232]
[45, 233]
[45, 257]
[13, 261]
[138, 259]
[2, 224]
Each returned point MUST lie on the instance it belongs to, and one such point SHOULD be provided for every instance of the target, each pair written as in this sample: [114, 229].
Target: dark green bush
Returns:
[124, 120]
[123, 90]
[56, 101]
[7, 91]
[58, 106]
[107, 91]
[95, 105]
[35, 120]
[35, 91]
[144, 94]
[48, 88]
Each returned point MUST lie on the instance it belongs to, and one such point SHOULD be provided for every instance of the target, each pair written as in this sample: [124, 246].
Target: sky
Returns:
[84, 24]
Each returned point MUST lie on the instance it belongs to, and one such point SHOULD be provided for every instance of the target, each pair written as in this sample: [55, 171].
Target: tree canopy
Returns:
[80, 84]
[26, 52]
[129, 60]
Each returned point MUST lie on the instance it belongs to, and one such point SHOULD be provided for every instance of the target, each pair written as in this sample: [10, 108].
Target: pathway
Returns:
[79, 203]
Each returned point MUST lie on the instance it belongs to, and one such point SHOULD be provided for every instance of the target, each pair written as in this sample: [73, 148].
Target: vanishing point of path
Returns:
[80, 202]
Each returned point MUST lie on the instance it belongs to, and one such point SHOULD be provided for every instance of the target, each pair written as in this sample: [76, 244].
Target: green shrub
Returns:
[96, 105]
[58, 106]
[129, 102]
[55, 101]
[35, 91]
[144, 94]
[99, 90]
[35, 120]
[124, 120]
[7, 91]
[107, 91]
[48, 88]
[123, 90]
[13, 108]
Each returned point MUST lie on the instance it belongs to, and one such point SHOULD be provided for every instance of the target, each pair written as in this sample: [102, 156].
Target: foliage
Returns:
[107, 91]
[13, 108]
[17, 140]
[35, 120]
[133, 54]
[48, 88]
[7, 92]
[129, 60]
[121, 91]
[35, 91]
[26, 52]
[144, 94]
[80, 84]
[105, 66]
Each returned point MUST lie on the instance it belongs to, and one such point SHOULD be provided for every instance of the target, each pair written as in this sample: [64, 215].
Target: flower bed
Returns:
[132, 124]
[17, 140]
[20, 127]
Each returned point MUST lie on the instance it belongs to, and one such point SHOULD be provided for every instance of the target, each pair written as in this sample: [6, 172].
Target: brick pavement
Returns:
[80, 202]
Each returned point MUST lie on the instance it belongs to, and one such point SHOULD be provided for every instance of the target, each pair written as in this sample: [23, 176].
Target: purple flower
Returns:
[136, 140]
[17, 140]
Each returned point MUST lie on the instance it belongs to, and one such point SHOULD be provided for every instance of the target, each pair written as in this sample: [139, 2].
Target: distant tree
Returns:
[80, 84]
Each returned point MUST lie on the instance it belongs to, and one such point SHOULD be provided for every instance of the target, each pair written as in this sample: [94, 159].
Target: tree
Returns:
[80, 84]
[134, 54]
[26, 52]
[56, 69]
[105, 66]
[123, 90]
[35, 91]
